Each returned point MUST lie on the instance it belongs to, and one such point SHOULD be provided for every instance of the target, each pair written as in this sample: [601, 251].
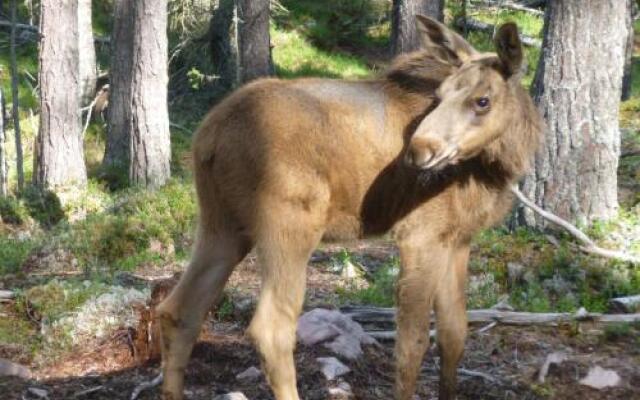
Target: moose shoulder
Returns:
[427, 152]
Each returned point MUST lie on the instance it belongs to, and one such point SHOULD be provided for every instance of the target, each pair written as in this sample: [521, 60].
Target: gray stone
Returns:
[231, 396]
[332, 368]
[346, 335]
[250, 374]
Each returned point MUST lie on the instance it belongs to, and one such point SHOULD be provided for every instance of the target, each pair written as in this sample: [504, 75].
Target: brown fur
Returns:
[280, 164]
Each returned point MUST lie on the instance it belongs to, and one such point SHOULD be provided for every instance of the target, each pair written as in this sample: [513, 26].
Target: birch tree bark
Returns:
[59, 159]
[577, 88]
[138, 142]
[404, 36]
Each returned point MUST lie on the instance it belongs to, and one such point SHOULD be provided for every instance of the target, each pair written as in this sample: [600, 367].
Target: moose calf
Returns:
[426, 152]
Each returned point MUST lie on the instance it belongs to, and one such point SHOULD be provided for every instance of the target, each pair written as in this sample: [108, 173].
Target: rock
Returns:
[347, 346]
[556, 358]
[332, 368]
[6, 294]
[341, 392]
[250, 374]
[515, 271]
[231, 396]
[320, 325]
[600, 378]
[8, 368]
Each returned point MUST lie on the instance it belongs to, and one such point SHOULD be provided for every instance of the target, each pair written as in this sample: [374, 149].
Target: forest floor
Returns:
[511, 357]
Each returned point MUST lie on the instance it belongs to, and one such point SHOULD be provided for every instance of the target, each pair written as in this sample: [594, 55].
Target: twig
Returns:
[89, 109]
[589, 245]
[88, 391]
[146, 385]
[478, 374]
[487, 327]
[179, 127]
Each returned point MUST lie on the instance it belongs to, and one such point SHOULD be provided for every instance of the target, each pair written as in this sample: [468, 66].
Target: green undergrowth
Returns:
[524, 270]
[295, 57]
[381, 288]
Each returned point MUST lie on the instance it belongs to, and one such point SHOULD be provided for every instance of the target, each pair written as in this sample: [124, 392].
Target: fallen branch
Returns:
[146, 385]
[630, 153]
[378, 315]
[519, 7]
[589, 245]
[512, 6]
[24, 27]
[476, 25]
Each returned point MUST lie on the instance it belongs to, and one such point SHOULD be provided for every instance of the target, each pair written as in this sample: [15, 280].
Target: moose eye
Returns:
[482, 102]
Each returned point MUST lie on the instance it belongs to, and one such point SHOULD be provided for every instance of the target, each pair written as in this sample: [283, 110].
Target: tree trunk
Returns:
[223, 42]
[4, 189]
[254, 39]
[404, 36]
[577, 88]
[138, 141]
[87, 52]
[15, 99]
[59, 152]
[628, 61]
[240, 41]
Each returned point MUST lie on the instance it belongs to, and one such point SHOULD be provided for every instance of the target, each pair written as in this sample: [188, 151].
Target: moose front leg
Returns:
[424, 264]
[450, 307]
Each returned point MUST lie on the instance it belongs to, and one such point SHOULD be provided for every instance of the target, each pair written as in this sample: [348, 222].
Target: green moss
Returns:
[56, 298]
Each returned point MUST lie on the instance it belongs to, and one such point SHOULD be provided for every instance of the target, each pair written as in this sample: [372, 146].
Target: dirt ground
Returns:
[508, 357]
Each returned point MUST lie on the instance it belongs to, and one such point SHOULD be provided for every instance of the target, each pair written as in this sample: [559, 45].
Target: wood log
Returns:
[627, 304]
[368, 315]
[6, 294]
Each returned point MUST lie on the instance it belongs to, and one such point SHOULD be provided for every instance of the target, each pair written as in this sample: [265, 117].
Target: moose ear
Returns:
[509, 48]
[442, 42]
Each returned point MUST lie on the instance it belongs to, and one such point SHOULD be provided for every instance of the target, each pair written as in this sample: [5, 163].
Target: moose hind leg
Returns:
[181, 314]
[284, 252]
[451, 315]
